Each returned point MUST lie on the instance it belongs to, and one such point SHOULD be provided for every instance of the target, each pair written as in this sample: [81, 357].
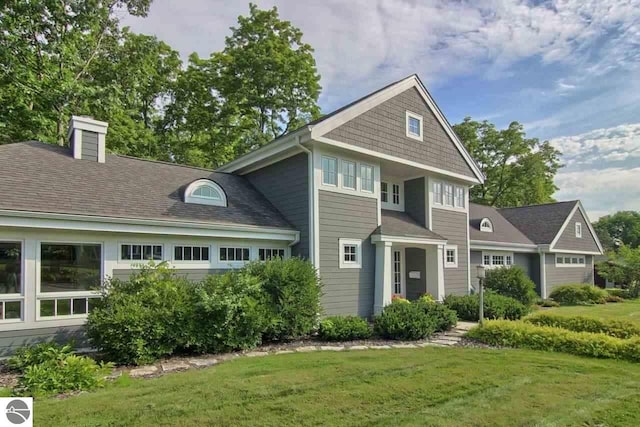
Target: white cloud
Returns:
[611, 144]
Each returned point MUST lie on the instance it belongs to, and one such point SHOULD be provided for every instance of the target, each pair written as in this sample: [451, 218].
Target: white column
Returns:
[543, 276]
[440, 257]
[383, 276]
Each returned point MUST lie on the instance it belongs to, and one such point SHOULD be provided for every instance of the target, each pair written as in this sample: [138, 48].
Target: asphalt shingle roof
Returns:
[503, 230]
[540, 223]
[396, 223]
[46, 178]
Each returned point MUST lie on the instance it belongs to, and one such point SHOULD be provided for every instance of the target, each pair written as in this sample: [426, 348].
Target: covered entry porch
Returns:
[409, 260]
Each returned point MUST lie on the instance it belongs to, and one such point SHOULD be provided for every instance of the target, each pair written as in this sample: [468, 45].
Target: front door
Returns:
[398, 277]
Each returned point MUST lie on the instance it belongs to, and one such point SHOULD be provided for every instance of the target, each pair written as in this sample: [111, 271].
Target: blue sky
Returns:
[568, 70]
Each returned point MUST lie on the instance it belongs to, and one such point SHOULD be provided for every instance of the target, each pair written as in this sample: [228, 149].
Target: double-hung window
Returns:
[414, 126]
[350, 252]
[437, 192]
[448, 194]
[349, 174]
[459, 197]
[396, 194]
[366, 178]
[329, 171]
[384, 192]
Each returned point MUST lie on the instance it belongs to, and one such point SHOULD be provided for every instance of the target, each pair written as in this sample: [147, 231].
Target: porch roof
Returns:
[400, 224]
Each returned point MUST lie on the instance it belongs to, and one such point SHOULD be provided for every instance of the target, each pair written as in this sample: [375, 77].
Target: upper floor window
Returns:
[437, 193]
[578, 230]
[396, 194]
[349, 174]
[459, 197]
[486, 225]
[391, 196]
[414, 126]
[448, 194]
[366, 178]
[205, 192]
[329, 171]
[384, 192]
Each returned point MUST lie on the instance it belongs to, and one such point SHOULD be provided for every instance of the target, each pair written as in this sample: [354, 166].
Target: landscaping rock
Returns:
[172, 366]
[444, 342]
[379, 347]
[257, 354]
[358, 347]
[285, 352]
[203, 363]
[331, 348]
[403, 346]
[113, 375]
[306, 349]
[143, 371]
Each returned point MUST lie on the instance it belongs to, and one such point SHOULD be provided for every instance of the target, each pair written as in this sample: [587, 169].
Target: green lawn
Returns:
[431, 386]
[628, 310]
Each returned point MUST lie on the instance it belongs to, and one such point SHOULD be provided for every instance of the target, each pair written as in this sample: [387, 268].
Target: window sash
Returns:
[395, 188]
[233, 254]
[366, 178]
[414, 126]
[448, 194]
[437, 193]
[578, 230]
[10, 268]
[265, 254]
[191, 253]
[140, 252]
[459, 197]
[329, 171]
[384, 192]
[349, 174]
[70, 267]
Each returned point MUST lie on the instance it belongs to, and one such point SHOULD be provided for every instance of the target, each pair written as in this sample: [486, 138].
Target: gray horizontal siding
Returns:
[453, 226]
[569, 241]
[346, 291]
[89, 146]
[12, 340]
[414, 199]
[525, 261]
[286, 185]
[194, 275]
[557, 276]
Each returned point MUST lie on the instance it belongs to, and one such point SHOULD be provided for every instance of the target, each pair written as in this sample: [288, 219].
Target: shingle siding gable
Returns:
[568, 239]
[383, 129]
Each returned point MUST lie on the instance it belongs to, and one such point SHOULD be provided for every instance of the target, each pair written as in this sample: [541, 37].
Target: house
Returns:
[375, 195]
[553, 243]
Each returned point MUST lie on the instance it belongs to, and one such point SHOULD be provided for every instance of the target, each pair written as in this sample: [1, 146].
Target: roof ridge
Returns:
[539, 204]
[162, 162]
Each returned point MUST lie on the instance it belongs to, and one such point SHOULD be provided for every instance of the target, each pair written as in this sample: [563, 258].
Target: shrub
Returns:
[578, 294]
[615, 328]
[512, 282]
[527, 335]
[443, 317]
[549, 303]
[293, 296]
[404, 321]
[49, 368]
[344, 328]
[142, 319]
[229, 313]
[427, 298]
[613, 299]
[622, 293]
[495, 307]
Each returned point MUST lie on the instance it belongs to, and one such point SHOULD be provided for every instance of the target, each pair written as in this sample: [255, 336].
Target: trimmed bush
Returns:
[549, 303]
[512, 282]
[443, 317]
[620, 293]
[496, 306]
[344, 328]
[613, 299]
[526, 335]
[578, 294]
[404, 321]
[51, 368]
[230, 312]
[614, 328]
[140, 320]
[293, 296]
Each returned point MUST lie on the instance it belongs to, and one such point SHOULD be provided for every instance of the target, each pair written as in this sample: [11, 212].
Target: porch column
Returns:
[382, 295]
[543, 276]
[440, 257]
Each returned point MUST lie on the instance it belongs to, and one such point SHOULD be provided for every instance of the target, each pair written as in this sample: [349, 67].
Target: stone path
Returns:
[449, 338]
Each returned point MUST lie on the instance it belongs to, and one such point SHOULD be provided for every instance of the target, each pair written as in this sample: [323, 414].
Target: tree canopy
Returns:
[621, 228]
[519, 170]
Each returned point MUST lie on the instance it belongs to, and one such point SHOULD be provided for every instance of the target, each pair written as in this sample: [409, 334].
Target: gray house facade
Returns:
[375, 195]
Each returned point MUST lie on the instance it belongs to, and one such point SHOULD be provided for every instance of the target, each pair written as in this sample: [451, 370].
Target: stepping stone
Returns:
[358, 347]
[306, 349]
[331, 348]
[380, 347]
[113, 376]
[403, 346]
[174, 366]
[143, 371]
[444, 342]
[450, 338]
[257, 354]
[285, 352]
[203, 363]
[465, 326]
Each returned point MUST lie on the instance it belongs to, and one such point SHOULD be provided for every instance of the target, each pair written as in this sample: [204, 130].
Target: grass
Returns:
[430, 386]
[628, 310]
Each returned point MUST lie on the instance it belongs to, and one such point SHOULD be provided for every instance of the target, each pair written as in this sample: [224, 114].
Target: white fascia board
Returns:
[377, 154]
[562, 251]
[513, 247]
[368, 103]
[88, 124]
[406, 240]
[41, 220]
[264, 152]
[578, 206]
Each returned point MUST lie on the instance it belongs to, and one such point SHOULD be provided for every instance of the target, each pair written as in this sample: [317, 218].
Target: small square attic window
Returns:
[414, 126]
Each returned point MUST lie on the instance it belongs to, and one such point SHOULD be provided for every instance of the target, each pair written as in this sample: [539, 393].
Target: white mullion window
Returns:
[350, 252]
[384, 192]
[459, 197]
[191, 253]
[570, 260]
[579, 230]
[141, 252]
[437, 193]
[329, 171]
[11, 281]
[448, 195]
[397, 273]
[497, 259]
[265, 254]
[348, 174]
[234, 254]
[451, 256]
[366, 178]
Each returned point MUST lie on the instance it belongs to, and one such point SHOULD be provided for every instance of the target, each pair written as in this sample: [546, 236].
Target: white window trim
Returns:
[492, 253]
[234, 262]
[20, 296]
[355, 176]
[433, 191]
[328, 184]
[578, 228]
[359, 167]
[451, 264]
[347, 242]
[262, 248]
[486, 225]
[412, 115]
[141, 261]
[389, 203]
[187, 245]
[563, 265]
[190, 198]
[442, 204]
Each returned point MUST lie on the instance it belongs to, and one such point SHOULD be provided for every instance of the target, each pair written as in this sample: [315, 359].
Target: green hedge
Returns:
[403, 320]
[615, 328]
[578, 294]
[344, 328]
[512, 282]
[495, 307]
[622, 293]
[526, 335]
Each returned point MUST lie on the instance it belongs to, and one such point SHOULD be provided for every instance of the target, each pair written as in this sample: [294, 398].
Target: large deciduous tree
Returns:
[621, 228]
[519, 170]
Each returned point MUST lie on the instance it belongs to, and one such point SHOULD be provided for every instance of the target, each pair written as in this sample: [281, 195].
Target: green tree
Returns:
[47, 49]
[623, 266]
[621, 228]
[519, 170]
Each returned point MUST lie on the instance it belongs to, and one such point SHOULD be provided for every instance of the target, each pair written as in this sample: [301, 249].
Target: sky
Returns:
[569, 70]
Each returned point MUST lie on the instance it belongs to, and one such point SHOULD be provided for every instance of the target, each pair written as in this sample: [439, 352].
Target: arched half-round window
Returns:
[486, 225]
[205, 192]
